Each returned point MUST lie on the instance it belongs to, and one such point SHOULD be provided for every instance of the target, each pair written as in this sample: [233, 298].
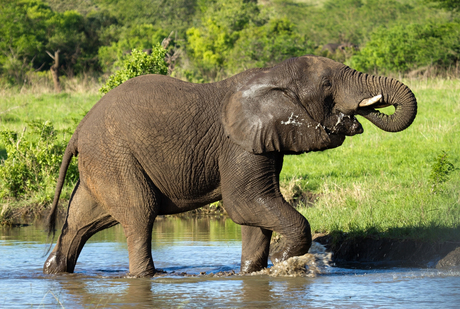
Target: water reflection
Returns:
[185, 292]
[194, 246]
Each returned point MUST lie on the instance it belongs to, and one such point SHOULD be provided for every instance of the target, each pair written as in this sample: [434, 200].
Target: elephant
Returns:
[157, 145]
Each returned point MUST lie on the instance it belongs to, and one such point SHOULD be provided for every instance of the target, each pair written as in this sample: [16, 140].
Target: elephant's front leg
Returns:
[251, 195]
[255, 248]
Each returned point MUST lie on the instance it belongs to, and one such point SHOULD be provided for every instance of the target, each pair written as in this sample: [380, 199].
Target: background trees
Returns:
[404, 48]
[218, 38]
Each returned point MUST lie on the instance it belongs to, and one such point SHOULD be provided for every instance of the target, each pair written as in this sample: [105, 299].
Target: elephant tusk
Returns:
[370, 101]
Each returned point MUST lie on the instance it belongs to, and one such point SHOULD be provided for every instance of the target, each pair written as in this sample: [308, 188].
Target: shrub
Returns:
[440, 171]
[33, 160]
[136, 64]
[403, 48]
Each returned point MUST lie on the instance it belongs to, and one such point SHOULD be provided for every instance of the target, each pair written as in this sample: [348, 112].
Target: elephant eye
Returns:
[327, 83]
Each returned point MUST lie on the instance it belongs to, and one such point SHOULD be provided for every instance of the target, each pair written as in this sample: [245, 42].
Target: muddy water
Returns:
[194, 246]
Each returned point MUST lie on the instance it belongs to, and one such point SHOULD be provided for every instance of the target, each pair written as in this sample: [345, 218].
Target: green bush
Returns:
[33, 160]
[136, 64]
[406, 47]
[440, 171]
[449, 5]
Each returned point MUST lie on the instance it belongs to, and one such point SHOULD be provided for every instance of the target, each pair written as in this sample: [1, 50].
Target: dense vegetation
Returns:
[403, 184]
[217, 38]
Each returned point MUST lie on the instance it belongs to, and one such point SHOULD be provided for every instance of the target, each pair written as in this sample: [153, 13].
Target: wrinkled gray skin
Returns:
[157, 145]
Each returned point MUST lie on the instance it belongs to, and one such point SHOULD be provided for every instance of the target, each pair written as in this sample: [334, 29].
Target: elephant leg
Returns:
[255, 248]
[278, 216]
[296, 232]
[137, 215]
[139, 240]
[133, 200]
[85, 217]
[251, 195]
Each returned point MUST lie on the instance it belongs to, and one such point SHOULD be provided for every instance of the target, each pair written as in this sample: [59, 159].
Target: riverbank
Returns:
[375, 252]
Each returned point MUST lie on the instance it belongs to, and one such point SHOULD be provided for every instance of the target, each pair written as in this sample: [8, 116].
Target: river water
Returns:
[194, 246]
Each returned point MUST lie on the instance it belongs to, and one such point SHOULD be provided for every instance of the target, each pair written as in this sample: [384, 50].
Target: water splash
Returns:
[307, 265]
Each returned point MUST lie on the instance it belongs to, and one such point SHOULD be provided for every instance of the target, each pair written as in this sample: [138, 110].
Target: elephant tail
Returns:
[70, 151]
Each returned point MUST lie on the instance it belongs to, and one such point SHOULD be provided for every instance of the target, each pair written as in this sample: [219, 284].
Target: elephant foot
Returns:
[143, 274]
[249, 266]
[283, 250]
[55, 263]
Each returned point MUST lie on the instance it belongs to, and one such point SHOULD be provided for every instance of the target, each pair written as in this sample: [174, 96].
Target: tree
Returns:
[65, 33]
[171, 15]
[22, 37]
[140, 37]
[268, 45]
[406, 47]
[210, 44]
[55, 70]
[28, 28]
[450, 5]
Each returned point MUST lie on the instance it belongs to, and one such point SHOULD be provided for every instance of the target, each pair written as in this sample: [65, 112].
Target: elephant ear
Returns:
[263, 117]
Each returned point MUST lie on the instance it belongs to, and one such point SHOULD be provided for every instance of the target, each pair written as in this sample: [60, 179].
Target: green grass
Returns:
[379, 182]
[64, 110]
[61, 109]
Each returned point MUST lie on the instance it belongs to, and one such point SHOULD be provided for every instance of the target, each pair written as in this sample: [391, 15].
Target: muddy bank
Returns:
[372, 251]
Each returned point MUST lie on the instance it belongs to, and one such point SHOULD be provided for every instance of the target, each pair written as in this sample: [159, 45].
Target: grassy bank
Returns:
[383, 183]
[375, 183]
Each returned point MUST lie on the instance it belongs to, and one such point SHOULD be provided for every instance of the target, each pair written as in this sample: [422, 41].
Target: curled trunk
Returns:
[393, 93]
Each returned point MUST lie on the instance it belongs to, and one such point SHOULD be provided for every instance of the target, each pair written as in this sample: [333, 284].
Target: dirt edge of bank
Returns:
[372, 252]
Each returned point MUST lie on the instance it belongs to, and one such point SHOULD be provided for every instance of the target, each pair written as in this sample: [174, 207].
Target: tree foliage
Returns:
[404, 48]
[136, 64]
[140, 37]
[267, 45]
[29, 28]
[222, 22]
[221, 37]
[451, 5]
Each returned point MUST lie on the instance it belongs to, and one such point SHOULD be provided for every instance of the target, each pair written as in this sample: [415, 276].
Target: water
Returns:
[193, 246]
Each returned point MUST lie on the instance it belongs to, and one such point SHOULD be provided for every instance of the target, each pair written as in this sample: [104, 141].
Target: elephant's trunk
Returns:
[393, 93]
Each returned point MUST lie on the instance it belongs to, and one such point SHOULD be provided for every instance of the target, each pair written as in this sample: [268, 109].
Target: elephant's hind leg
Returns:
[133, 200]
[137, 218]
[84, 218]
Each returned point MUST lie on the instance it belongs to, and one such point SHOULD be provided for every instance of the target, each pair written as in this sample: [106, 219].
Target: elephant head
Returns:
[308, 103]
